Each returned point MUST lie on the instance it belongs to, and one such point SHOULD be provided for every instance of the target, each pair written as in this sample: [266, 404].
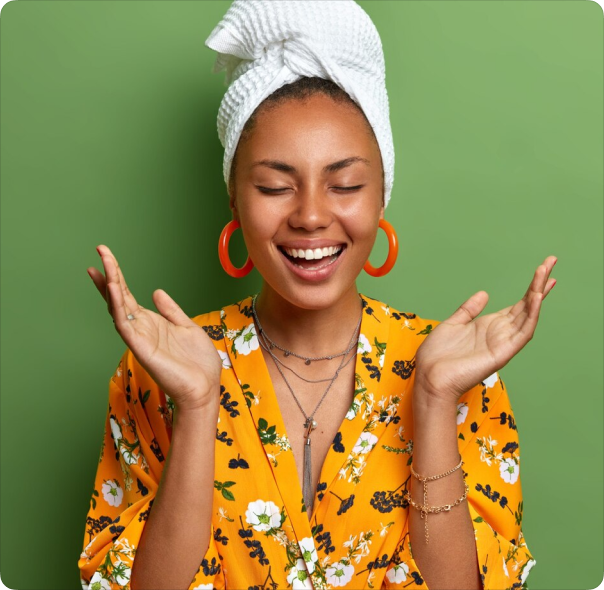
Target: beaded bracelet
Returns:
[425, 509]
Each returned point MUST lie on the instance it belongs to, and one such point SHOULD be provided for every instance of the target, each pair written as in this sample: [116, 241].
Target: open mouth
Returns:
[313, 259]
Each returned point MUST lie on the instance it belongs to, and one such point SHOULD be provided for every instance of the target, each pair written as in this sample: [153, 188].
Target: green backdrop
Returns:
[108, 113]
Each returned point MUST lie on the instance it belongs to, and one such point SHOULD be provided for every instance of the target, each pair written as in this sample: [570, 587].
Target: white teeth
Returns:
[315, 254]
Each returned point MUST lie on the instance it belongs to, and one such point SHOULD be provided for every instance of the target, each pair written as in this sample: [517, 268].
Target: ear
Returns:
[233, 206]
[382, 212]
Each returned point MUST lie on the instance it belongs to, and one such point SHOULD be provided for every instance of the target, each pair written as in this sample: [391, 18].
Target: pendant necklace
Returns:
[310, 423]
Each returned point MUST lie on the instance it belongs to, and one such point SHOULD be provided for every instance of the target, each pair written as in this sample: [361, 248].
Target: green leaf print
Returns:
[479, 519]
[426, 330]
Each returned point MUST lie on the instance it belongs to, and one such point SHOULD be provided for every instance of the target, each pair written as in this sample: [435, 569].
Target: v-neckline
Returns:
[249, 365]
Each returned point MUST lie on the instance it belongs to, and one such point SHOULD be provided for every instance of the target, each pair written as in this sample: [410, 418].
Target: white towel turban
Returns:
[265, 44]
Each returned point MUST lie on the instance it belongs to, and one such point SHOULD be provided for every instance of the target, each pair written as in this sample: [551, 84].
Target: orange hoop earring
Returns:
[392, 252]
[223, 252]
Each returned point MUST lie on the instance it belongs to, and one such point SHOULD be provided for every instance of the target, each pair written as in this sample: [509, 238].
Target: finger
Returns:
[550, 285]
[169, 309]
[526, 328]
[129, 298]
[112, 278]
[536, 285]
[119, 312]
[469, 309]
[99, 281]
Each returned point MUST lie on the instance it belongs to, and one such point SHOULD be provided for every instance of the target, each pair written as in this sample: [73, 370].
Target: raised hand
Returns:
[464, 349]
[176, 352]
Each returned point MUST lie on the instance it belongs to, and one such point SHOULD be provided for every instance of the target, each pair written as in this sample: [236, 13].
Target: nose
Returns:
[311, 210]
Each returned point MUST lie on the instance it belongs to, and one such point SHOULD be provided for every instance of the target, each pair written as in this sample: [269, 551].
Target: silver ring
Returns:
[130, 316]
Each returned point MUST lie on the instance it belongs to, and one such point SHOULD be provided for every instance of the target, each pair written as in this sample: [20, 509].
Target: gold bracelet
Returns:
[425, 508]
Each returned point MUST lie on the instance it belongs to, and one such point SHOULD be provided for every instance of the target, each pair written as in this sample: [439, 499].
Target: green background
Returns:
[108, 113]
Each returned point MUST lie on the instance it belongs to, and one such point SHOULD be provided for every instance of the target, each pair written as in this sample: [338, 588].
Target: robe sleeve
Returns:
[136, 441]
[488, 444]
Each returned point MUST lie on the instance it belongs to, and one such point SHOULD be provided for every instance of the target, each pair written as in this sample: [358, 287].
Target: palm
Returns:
[462, 351]
[176, 352]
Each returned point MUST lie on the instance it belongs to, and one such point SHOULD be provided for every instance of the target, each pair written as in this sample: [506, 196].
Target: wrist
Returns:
[429, 403]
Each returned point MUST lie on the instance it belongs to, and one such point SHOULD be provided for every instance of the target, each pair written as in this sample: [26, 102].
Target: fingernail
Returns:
[555, 261]
[554, 284]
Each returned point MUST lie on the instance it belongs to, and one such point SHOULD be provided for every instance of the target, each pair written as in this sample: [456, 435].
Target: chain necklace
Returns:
[310, 423]
[275, 358]
[306, 359]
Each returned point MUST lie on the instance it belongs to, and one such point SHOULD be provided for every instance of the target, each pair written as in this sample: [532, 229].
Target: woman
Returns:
[309, 436]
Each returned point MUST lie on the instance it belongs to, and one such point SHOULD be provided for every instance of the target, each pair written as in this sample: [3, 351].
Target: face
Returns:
[309, 178]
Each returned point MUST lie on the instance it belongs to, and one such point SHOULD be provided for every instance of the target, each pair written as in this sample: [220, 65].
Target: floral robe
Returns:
[261, 535]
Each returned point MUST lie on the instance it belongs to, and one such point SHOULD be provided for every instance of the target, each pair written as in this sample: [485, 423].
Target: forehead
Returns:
[314, 128]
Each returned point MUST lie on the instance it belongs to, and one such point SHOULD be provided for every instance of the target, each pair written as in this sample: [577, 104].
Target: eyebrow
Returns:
[333, 167]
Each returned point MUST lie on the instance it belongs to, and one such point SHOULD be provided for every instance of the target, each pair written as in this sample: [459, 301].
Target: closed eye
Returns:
[268, 190]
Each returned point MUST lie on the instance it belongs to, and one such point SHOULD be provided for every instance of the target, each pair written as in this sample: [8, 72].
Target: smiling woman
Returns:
[290, 439]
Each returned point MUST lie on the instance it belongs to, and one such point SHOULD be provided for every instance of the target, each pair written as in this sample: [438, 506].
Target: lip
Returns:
[320, 274]
[310, 244]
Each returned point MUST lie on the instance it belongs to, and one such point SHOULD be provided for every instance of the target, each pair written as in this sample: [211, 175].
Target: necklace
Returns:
[310, 423]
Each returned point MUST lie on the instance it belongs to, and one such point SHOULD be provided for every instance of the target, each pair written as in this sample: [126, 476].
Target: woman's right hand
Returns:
[176, 352]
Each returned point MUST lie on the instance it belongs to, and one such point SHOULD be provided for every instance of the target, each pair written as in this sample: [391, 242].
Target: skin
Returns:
[315, 319]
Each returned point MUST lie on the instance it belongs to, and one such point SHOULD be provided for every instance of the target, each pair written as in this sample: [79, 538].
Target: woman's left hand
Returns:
[460, 353]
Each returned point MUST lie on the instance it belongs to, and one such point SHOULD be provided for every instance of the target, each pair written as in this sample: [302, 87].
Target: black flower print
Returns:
[219, 537]
[227, 403]
[345, 503]
[210, 568]
[321, 487]
[141, 488]
[505, 417]
[404, 368]
[145, 514]
[374, 371]
[322, 538]
[338, 447]
[238, 463]
[388, 500]
[214, 332]
[156, 450]
[222, 437]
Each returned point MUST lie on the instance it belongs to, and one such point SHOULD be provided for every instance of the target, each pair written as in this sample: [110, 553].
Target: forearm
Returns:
[176, 535]
[449, 559]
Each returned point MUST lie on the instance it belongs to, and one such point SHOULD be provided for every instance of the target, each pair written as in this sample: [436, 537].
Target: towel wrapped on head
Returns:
[265, 44]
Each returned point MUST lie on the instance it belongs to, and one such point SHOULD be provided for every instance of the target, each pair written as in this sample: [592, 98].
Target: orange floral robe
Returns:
[261, 535]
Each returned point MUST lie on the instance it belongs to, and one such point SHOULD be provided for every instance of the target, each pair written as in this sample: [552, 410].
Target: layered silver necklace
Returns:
[310, 423]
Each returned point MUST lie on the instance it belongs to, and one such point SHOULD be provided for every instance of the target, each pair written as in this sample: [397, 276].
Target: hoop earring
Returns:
[223, 252]
[392, 252]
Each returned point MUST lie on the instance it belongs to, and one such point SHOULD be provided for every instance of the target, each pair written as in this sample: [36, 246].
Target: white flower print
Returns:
[226, 361]
[339, 574]
[353, 410]
[509, 470]
[398, 573]
[247, 340]
[115, 429]
[298, 576]
[527, 568]
[112, 492]
[384, 528]
[121, 572]
[309, 553]
[505, 567]
[97, 582]
[365, 443]
[263, 516]
[462, 412]
[386, 309]
[491, 380]
[209, 586]
[363, 344]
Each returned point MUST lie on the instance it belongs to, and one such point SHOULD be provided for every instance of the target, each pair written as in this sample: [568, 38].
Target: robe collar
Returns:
[250, 368]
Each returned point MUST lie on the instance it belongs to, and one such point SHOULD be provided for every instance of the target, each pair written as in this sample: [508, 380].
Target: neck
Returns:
[309, 332]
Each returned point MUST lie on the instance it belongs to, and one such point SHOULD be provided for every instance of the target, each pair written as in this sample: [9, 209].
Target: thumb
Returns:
[469, 309]
[169, 309]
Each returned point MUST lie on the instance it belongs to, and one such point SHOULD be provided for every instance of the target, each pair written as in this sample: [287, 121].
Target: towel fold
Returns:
[265, 44]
